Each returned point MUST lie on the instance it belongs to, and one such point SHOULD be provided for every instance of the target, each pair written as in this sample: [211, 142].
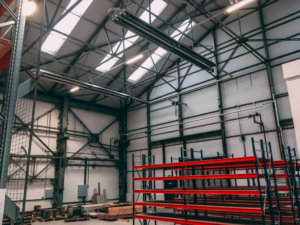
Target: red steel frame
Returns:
[224, 162]
[202, 207]
[179, 221]
[199, 192]
[205, 177]
[210, 192]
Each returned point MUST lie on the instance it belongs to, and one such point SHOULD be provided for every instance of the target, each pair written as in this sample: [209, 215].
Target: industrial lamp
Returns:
[238, 5]
[74, 89]
[30, 7]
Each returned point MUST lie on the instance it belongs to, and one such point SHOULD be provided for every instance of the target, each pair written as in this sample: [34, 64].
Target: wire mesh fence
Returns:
[19, 146]
[16, 174]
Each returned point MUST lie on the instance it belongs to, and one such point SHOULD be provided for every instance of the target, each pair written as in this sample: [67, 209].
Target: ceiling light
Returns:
[237, 6]
[74, 89]
[134, 59]
[30, 7]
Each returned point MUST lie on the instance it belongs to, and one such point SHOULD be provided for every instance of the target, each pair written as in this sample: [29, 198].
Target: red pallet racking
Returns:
[243, 203]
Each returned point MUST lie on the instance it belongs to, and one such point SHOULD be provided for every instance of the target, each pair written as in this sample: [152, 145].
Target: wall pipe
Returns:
[203, 125]
[209, 117]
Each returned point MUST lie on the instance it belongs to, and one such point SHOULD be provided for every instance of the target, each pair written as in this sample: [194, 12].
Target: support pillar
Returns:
[149, 137]
[291, 73]
[11, 92]
[123, 157]
[270, 75]
[60, 164]
[220, 103]
[180, 117]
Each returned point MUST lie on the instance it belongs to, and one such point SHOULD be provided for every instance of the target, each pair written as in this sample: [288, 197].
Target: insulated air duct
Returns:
[72, 82]
[143, 29]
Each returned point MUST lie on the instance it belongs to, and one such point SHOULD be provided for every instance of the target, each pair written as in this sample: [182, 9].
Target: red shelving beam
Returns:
[206, 207]
[198, 192]
[244, 215]
[243, 166]
[242, 201]
[178, 219]
[206, 177]
[224, 162]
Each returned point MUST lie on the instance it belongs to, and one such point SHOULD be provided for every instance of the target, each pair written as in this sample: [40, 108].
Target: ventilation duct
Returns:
[143, 29]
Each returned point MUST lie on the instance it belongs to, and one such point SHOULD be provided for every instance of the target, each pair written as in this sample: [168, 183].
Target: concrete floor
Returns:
[96, 221]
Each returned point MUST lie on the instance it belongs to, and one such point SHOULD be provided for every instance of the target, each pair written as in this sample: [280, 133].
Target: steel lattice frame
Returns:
[150, 82]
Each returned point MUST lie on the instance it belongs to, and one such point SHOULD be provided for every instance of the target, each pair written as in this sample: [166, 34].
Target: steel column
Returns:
[33, 114]
[11, 93]
[60, 164]
[149, 133]
[180, 117]
[270, 73]
[222, 118]
[123, 158]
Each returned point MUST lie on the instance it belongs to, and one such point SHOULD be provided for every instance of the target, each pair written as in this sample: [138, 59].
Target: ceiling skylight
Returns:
[55, 40]
[159, 53]
[157, 6]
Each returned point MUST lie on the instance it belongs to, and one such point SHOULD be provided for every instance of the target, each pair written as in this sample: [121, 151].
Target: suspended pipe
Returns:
[73, 82]
[209, 117]
[188, 128]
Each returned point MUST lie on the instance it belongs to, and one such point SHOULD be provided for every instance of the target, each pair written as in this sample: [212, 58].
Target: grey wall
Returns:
[74, 175]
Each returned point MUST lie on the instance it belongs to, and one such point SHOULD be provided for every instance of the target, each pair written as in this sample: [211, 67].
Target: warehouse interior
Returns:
[149, 111]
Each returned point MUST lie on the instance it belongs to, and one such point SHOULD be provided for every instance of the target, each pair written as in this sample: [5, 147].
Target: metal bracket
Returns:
[242, 39]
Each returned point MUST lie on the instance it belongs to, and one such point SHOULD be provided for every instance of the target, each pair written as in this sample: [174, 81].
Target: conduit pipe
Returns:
[192, 121]
[188, 128]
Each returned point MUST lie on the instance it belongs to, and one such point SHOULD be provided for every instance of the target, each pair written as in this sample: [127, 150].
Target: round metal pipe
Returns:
[203, 125]
[209, 117]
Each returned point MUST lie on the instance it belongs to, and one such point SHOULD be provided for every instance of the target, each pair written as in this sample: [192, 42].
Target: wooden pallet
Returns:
[27, 220]
[40, 219]
[25, 223]
[77, 219]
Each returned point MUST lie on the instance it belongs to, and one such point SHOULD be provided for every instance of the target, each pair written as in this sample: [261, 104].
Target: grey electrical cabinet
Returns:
[82, 191]
[49, 194]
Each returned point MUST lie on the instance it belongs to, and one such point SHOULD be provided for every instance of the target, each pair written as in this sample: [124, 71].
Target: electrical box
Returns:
[49, 194]
[82, 191]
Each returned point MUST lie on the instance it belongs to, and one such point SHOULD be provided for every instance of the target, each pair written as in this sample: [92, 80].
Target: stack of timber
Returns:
[44, 215]
[118, 211]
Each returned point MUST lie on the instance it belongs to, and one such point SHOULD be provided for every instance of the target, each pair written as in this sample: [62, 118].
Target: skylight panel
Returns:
[55, 40]
[157, 6]
[159, 53]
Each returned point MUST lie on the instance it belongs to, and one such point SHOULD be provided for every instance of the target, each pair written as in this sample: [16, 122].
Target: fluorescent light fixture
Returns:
[134, 59]
[159, 53]
[55, 40]
[157, 6]
[74, 89]
[238, 5]
[30, 7]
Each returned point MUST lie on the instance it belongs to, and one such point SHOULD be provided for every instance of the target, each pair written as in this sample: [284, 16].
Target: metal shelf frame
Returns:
[263, 202]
